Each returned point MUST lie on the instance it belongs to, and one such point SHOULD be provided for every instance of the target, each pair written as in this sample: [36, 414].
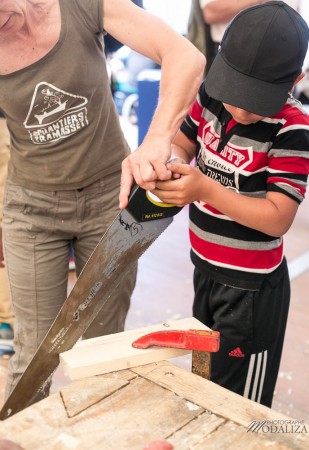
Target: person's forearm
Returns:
[222, 11]
[179, 84]
[272, 215]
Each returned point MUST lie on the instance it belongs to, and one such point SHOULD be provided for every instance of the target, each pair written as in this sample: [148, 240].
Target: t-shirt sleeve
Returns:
[288, 164]
[90, 12]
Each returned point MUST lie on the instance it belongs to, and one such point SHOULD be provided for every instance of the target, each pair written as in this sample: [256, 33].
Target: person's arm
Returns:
[272, 215]
[182, 72]
[222, 11]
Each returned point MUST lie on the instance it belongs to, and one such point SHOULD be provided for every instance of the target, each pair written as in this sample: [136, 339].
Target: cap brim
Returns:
[227, 85]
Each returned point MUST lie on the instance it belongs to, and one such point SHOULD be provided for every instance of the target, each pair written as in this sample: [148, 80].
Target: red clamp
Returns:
[200, 340]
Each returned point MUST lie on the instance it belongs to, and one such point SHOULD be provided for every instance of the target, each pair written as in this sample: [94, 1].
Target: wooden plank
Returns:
[219, 400]
[147, 409]
[196, 431]
[84, 393]
[212, 432]
[115, 352]
[36, 426]
[125, 374]
[127, 419]
[230, 436]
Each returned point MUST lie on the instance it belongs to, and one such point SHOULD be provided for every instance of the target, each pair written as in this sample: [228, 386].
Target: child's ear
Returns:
[300, 77]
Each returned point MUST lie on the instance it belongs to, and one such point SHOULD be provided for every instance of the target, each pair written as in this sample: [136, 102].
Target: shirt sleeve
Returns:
[90, 12]
[288, 164]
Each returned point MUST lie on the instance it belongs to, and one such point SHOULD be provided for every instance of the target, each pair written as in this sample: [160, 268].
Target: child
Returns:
[250, 138]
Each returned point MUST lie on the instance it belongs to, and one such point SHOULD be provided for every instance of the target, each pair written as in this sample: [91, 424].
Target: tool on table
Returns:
[133, 230]
[201, 342]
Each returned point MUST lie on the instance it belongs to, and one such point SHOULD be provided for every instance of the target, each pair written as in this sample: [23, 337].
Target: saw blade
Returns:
[119, 248]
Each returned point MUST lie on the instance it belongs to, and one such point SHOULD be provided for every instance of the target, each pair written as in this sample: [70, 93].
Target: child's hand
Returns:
[185, 187]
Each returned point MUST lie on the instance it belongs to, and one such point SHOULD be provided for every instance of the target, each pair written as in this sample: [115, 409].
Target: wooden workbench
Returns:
[127, 409]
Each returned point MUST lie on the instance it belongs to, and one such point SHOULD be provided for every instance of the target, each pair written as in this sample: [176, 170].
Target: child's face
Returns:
[241, 115]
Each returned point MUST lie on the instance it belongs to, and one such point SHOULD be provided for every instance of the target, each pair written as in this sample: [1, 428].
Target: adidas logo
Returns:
[237, 353]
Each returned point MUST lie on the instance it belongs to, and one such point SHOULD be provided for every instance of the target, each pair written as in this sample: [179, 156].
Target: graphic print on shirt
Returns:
[226, 165]
[55, 114]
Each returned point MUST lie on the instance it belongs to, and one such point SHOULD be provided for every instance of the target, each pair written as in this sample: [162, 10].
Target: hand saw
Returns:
[133, 230]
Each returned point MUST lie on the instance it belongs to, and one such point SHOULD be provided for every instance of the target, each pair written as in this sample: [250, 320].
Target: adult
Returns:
[216, 15]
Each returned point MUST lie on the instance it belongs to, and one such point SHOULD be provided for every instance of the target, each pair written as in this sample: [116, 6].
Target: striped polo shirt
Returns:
[270, 155]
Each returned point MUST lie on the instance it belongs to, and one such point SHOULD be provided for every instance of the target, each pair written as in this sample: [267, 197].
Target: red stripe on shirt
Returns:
[249, 260]
[290, 164]
[196, 111]
[278, 180]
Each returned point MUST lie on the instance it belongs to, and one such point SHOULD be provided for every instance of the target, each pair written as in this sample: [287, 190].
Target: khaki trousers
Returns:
[39, 227]
[6, 313]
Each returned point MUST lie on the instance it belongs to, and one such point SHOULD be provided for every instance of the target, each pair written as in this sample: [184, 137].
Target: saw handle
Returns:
[145, 206]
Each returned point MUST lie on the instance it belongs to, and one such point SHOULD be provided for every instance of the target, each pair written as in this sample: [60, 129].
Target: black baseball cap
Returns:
[260, 56]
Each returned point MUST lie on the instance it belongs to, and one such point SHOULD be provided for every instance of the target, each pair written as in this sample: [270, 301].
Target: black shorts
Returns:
[252, 325]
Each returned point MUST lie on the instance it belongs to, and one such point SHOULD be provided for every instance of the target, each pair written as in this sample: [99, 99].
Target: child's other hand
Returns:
[185, 186]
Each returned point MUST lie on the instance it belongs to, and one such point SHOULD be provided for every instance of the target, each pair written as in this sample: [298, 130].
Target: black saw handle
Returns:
[143, 206]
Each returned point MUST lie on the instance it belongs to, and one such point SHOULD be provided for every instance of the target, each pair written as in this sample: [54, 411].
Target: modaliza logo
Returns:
[277, 426]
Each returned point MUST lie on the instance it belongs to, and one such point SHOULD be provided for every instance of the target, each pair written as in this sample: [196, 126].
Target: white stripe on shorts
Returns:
[254, 374]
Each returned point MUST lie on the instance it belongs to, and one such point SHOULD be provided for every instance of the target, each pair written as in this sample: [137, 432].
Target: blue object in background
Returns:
[148, 93]
[126, 66]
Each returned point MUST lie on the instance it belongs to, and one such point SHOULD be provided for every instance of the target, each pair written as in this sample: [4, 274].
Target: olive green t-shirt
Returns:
[65, 131]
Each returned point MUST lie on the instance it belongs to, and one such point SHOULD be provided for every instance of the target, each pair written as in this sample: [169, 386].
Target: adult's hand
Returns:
[144, 166]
